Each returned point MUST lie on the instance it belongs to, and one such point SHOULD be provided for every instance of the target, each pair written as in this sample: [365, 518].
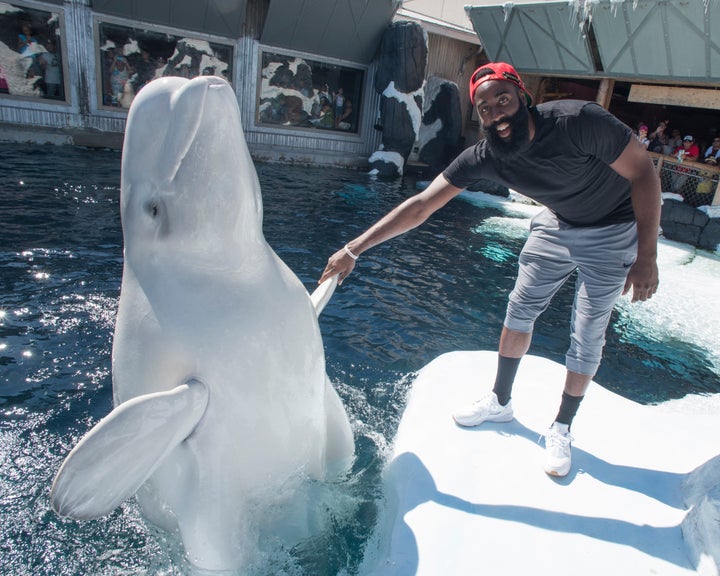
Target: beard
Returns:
[519, 134]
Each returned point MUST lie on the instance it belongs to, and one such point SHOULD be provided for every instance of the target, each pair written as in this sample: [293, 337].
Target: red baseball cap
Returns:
[497, 71]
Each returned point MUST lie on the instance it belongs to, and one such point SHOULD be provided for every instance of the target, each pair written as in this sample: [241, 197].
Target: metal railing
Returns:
[698, 184]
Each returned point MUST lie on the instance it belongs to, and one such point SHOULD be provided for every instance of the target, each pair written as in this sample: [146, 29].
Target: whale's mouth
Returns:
[188, 104]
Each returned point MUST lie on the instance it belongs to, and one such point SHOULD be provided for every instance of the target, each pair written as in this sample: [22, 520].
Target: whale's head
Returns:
[188, 181]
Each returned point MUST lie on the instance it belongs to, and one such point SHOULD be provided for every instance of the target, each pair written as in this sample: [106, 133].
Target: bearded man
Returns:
[602, 211]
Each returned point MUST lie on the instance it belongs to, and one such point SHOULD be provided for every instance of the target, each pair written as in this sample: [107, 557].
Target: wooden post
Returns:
[658, 168]
[605, 92]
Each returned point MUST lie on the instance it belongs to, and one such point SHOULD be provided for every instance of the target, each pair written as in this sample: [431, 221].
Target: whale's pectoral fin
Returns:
[340, 449]
[322, 294]
[116, 456]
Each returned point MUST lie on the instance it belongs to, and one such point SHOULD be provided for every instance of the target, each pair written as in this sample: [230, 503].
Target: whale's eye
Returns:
[153, 208]
[156, 215]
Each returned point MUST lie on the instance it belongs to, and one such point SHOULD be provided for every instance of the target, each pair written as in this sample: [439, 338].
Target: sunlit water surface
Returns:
[439, 288]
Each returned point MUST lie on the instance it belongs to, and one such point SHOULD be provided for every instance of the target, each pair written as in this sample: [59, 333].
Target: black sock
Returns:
[507, 368]
[568, 408]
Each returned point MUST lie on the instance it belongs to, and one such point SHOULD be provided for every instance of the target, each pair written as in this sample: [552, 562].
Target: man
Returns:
[688, 150]
[50, 64]
[659, 141]
[712, 154]
[603, 211]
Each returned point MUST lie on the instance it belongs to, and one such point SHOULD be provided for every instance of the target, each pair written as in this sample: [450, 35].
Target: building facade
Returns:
[70, 69]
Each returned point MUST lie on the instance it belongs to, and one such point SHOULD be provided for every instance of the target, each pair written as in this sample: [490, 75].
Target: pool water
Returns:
[439, 288]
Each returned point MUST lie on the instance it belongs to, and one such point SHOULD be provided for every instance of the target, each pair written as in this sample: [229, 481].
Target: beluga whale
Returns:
[220, 392]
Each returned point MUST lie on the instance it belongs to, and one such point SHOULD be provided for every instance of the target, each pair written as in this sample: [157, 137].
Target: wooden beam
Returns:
[675, 96]
[605, 92]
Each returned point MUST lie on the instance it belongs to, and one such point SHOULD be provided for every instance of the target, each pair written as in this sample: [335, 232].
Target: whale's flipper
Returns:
[113, 460]
[340, 442]
[322, 294]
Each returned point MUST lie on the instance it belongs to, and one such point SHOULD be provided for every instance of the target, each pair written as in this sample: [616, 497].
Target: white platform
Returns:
[476, 501]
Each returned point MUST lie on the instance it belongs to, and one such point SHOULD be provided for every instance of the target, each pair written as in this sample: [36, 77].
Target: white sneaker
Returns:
[557, 450]
[487, 409]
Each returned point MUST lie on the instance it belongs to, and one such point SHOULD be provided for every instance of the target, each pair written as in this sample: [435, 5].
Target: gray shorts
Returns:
[602, 256]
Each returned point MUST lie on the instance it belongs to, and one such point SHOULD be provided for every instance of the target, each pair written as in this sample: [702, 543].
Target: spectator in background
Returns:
[119, 72]
[326, 118]
[28, 48]
[108, 55]
[339, 103]
[659, 139]
[324, 93]
[145, 69]
[50, 64]
[642, 135]
[712, 154]
[26, 39]
[344, 121]
[676, 141]
[688, 150]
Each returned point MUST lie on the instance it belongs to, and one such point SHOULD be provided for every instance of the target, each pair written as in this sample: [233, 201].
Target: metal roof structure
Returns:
[640, 40]
[219, 17]
[343, 29]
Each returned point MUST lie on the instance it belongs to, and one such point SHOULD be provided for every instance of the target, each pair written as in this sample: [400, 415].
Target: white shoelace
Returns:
[555, 440]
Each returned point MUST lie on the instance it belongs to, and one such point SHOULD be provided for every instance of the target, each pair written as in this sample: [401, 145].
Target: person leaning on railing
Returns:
[712, 154]
[689, 151]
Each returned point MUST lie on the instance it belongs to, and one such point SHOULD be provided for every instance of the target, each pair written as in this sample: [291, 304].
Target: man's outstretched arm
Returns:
[408, 215]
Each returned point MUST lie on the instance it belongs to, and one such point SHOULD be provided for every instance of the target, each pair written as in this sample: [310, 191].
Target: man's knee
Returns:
[514, 343]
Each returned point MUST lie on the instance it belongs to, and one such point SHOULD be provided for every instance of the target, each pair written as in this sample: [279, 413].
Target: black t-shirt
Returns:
[566, 166]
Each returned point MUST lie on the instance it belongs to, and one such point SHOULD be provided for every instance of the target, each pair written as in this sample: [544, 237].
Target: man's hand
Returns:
[643, 279]
[339, 263]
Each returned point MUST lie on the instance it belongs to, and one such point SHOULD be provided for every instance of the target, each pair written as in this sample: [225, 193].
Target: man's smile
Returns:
[502, 128]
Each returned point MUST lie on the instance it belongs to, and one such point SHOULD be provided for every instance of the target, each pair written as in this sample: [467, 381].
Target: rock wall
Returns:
[399, 79]
[684, 223]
